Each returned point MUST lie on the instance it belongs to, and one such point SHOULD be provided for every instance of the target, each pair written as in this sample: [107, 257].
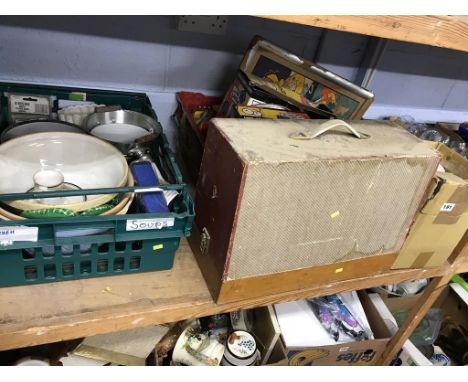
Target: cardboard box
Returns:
[409, 355]
[250, 93]
[453, 301]
[443, 219]
[191, 119]
[267, 332]
[346, 354]
[278, 356]
[129, 347]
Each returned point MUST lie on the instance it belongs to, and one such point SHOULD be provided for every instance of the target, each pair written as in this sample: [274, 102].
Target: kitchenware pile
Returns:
[63, 163]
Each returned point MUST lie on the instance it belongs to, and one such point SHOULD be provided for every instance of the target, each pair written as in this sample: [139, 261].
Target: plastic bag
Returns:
[337, 319]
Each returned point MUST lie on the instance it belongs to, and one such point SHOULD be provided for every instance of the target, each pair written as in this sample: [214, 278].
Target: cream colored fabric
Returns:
[305, 207]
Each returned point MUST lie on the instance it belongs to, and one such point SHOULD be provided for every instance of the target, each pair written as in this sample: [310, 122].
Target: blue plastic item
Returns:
[463, 130]
[151, 202]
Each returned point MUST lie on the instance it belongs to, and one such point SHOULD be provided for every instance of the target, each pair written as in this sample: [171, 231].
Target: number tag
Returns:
[447, 207]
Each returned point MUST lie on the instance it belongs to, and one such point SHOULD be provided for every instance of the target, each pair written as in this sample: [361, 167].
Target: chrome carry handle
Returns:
[327, 126]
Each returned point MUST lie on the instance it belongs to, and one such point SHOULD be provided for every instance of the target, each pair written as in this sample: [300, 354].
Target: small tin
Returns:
[241, 350]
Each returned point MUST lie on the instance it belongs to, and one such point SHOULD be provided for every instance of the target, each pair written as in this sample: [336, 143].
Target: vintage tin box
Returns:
[303, 83]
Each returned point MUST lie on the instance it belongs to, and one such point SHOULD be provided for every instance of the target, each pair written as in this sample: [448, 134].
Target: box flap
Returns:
[443, 217]
[452, 161]
[449, 199]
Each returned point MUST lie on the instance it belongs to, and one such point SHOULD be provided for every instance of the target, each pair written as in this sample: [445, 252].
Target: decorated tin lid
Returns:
[241, 348]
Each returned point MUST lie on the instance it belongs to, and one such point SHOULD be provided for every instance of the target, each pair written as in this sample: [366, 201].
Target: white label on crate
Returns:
[447, 207]
[18, 233]
[146, 224]
[29, 104]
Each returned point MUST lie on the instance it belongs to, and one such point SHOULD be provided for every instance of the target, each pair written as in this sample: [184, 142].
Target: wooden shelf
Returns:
[39, 314]
[441, 31]
[461, 266]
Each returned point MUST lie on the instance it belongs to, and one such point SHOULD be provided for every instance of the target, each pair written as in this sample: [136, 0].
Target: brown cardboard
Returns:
[454, 304]
[396, 303]
[459, 199]
[452, 161]
[443, 220]
[278, 355]
[349, 354]
[449, 301]
[451, 304]
[266, 331]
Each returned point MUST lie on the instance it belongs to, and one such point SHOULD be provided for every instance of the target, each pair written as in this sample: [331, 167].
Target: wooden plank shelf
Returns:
[39, 314]
[461, 266]
[441, 31]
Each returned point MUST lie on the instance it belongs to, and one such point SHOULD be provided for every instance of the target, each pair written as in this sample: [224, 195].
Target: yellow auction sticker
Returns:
[335, 214]
[158, 246]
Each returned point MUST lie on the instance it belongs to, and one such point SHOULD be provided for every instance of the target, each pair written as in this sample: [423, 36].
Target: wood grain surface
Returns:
[39, 314]
[441, 31]
[425, 302]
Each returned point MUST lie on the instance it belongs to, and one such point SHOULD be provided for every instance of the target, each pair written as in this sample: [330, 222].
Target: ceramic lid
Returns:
[241, 344]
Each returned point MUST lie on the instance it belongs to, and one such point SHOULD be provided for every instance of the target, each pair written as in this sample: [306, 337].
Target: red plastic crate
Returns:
[190, 134]
[188, 103]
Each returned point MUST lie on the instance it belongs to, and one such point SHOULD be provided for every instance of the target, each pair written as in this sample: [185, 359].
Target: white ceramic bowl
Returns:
[120, 209]
[83, 160]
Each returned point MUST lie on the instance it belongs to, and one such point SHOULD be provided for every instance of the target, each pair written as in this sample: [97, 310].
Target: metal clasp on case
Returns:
[204, 241]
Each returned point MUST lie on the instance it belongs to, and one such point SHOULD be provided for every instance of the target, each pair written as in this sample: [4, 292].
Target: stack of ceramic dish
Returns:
[77, 114]
[56, 161]
[38, 126]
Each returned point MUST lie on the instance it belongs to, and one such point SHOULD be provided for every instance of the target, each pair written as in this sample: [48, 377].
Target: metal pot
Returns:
[122, 127]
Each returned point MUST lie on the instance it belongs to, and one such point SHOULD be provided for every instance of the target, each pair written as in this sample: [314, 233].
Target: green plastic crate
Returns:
[93, 246]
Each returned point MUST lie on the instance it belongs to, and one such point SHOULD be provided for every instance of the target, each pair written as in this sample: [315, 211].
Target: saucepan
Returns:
[122, 127]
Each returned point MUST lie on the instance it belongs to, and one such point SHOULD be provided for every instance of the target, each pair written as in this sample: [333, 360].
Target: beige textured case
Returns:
[309, 202]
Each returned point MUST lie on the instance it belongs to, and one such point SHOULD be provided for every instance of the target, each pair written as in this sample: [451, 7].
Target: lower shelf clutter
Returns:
[320, 332]
[351, 328]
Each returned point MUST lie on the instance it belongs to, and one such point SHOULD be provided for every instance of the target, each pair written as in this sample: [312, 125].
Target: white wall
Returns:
[428, 82]
[148, 54]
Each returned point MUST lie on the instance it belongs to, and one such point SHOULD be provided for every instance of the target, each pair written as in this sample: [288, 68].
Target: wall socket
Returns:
[203, 24]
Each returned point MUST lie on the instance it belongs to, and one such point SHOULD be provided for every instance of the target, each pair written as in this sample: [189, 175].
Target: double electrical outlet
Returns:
[203, 24]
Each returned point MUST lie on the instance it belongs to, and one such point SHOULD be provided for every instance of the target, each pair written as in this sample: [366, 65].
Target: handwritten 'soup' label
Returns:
[147, 224]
